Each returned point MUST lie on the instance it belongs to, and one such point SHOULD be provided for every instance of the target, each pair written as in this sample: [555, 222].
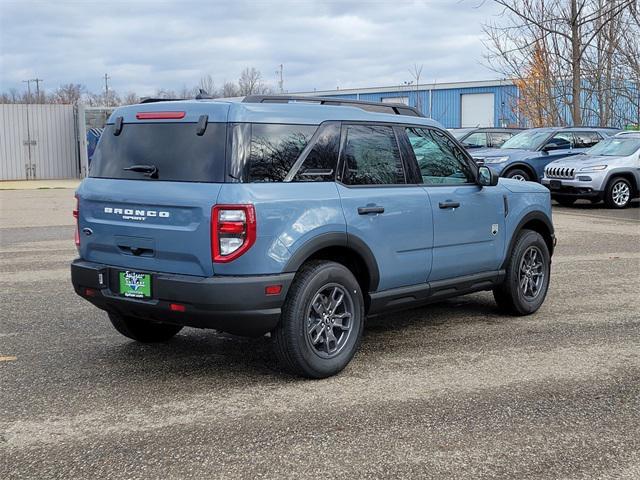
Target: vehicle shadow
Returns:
[210, 356]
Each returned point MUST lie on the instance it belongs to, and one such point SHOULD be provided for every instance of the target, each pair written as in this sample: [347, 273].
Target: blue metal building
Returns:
[459, 104]
[489, 103]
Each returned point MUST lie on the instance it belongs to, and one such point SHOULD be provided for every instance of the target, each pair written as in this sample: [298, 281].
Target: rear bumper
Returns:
[234, 304]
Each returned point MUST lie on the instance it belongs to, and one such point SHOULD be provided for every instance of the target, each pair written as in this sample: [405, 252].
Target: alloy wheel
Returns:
[620, 193]
[531, 273]
[329, 320]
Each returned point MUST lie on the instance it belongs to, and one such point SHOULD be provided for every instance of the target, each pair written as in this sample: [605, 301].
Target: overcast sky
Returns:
[146, 45]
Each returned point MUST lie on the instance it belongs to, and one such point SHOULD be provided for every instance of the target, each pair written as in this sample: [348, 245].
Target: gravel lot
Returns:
[454, 390]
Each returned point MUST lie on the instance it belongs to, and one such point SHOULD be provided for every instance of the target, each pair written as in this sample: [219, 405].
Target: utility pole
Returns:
[280, 73]
[29, 166]
[37, 80]
[106, 89]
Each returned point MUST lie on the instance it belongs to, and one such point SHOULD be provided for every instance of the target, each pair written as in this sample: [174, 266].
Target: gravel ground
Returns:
[455, 390]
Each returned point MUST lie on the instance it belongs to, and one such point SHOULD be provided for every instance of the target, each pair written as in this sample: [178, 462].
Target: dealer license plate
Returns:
[135, 284]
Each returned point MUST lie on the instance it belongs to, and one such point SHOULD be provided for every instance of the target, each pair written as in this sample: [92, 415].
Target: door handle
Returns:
[370, 209]
[449, 204]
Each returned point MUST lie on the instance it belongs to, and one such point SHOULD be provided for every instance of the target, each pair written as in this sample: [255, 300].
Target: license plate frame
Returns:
[134, 284]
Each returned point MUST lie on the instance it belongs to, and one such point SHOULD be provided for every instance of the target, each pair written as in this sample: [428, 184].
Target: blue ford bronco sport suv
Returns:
[525, 155]
[298, 218]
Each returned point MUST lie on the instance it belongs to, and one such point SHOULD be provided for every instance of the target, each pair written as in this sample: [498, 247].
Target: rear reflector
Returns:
[160, 115]
[90, 292]
[76, 215]
[177, 307]
[272, 289]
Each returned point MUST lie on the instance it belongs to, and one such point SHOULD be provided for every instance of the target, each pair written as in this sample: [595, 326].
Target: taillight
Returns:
[233, 231]
[76, 215]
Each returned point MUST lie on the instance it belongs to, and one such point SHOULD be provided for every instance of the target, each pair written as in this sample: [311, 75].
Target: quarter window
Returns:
[439, 159]
[498, 138]
[319, 165]
[371, 156]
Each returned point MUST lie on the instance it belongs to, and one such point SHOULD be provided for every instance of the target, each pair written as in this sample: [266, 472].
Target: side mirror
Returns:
[554, 146]
[487, 177]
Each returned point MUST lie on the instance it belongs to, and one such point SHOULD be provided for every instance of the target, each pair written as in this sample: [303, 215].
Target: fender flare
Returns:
[520, 165]
[336, 239]
[536, 215]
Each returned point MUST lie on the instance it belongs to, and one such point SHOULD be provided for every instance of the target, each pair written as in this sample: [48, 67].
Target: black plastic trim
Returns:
[429, 292]
[234, 304]
[526, 219]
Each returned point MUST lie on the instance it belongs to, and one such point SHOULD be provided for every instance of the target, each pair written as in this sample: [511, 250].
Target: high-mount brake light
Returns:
[76, 215]
[160, 115]
[233, 231]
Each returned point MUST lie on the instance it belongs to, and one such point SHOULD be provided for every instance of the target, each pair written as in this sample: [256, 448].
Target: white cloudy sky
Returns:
[146, 45]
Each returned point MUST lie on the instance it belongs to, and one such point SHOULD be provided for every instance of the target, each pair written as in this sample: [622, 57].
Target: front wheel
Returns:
[321, 322]
[143, 330]
[618, 193]
[518, 174]
[527, 275]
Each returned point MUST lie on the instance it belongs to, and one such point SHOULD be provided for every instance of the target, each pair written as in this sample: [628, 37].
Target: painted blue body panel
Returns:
[180, 243]
[288, 215]
[401, 238]
[463, 240]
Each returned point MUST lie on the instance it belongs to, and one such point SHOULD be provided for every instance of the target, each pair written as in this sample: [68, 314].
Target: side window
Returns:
[274, 149]
[478, 139]
[586, 139]
[320, 163]
[371, 156]
[439, 159]
[498, 138]
[562, 140]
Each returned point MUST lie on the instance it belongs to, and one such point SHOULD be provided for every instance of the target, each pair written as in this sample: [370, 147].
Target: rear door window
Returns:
[371, 156]
[174, 149]
[498, 138]
[478, 139]
[274, 149]
[586, 139]
[562, 140]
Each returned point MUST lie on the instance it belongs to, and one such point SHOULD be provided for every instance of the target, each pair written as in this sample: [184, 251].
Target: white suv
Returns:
[609, 171]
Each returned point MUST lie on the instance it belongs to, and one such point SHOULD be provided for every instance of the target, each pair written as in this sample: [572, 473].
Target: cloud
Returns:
[147, 45]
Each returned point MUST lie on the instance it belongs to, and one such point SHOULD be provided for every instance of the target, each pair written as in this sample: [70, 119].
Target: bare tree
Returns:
[250, 83]
[565, 31]
[208, 85]
[70, 93]
[416, 72]
[230, 89]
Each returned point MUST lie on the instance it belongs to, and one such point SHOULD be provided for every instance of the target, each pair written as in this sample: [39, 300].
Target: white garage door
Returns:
[477, 110]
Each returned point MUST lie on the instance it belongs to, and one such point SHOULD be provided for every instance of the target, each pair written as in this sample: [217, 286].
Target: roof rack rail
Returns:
[154, 100]
[591, 126]
[378, 107]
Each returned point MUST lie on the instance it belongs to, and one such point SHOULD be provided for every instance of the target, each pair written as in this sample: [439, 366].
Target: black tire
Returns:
[509, 295]
[565, 201]
[292, 341]
[612, 196]
[143, 330]
[518, 174]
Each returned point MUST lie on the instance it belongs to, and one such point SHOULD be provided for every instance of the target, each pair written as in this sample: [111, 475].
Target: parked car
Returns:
[297, 219]
[609, 171]
[524, 156]
[489, 137]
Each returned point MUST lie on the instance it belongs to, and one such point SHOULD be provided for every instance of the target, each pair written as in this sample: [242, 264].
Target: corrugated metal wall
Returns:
[446, 107]
[53, 150]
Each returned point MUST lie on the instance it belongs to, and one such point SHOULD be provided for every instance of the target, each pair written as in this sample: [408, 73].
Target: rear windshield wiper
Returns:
[149, 170]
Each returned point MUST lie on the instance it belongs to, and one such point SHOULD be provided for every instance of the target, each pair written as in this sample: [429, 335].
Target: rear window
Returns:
[174, 149]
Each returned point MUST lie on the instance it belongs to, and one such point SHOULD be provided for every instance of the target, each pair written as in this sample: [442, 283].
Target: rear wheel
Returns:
[518, 174]
[618, 193]
[322, 320]
[527, 275]
[143, 330]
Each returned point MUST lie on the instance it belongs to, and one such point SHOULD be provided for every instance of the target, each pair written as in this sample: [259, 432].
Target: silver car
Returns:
[609, 171]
